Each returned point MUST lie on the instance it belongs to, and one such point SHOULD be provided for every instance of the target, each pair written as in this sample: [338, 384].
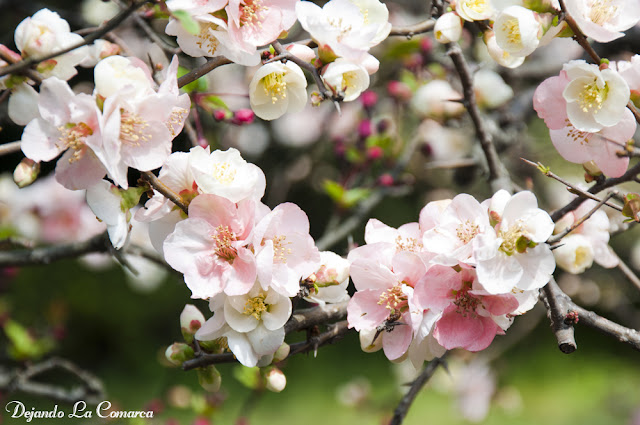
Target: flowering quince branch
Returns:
[104, 29]
[31, 73]
[20, 381]
[411, 30]
[203, 69]
[9, 148]
[403, 407]
[572, 188]
[498, 175]
[556, 238]
[165, 191]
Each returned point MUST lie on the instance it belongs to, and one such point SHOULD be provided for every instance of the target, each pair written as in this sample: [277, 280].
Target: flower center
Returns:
[274, 86]
[465, 303]
[280, 250]
[176, 119]
[602, 11]
[592, 97]
[133, 128]
[224, 172]
[408, 244]
[224, 239]
[478, 6]
[206, 40]
[467, 231]
[514, 239]
[256, 306]
[512, 28]
[393, 299]
[72, 136]
[251, 13]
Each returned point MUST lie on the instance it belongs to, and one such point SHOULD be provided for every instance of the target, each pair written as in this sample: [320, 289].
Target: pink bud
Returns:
[375, 152]
[385, 180]
[302, 52]
[243, 116]
[426, 45]
[219, 114]
[364, 129]
[369, 99]
[399, 90]
[276, 381]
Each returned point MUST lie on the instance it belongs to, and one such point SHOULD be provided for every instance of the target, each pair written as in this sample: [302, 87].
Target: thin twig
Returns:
[46, 255]
[9, 148]
[556, 238]
[410, 30]
[30, 73]
[203, 69]
[302, 319]
[108, 26]
[404, 405]
[157, 184]
[498, 175]
[626, 270]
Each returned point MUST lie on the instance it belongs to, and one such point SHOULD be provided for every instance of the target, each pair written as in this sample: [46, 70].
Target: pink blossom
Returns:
[582, 146]
[469, 318]
[211, 247]
[603, 20]
[68, 123]
[284, 250]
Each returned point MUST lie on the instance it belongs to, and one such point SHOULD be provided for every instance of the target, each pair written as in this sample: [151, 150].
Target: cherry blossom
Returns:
[475, 10]
[277, 88]
[67, 123]
[211, 247]
[347, 78]
[603, 20]
[106, 203]
[490, 89]
[331, 279]
[434, 100]
[517, 31]
[448, 28]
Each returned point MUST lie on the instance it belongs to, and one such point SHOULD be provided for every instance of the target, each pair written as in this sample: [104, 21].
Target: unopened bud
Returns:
[281, 353]
[364, 129]
[276, 381]
[209, 378]
[399, 90]
[191, 319]
[591, 168]
[219, 115]
[448, 28]
[178, 353]
[301, 51]
[369, 99]
[26, 172]
[243, 116]
[385, 180]
[375, 152]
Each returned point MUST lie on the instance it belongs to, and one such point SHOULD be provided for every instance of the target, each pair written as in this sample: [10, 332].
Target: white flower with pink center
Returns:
[517, 31]
[68, 123]
[580, 146]
[211, 247]
[331, 279]
[603, 20]
[284, 250]
[384, 281]
[471, 316]
[516, 255]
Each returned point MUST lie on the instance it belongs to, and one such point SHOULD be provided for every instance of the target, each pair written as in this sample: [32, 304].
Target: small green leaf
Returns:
[631, 207]
[131, 197]
[188, 23]
[334, 190]
[199, 85]
[248, 376]
[354, 196]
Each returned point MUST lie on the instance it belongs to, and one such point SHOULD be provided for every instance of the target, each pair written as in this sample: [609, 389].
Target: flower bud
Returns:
[364, 129]
[26, 172]
[386, 180]
[191, 319]
[448, 28]
[209, 378]
[301, 51]
[281, 353]
[276, 381]
[178, 353]
[375, 152]
[369, 99]
[243, 116]
[399, 90]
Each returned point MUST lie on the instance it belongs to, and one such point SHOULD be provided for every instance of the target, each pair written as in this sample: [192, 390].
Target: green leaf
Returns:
[248, 376]
[334, 190]
[631, 207]
[130, 197]
[23, 345]
[213, 102]
[353, 196]
[187, 22]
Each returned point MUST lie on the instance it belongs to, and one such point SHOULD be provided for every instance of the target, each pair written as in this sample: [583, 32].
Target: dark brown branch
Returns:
[203, 69]
[498, 175]
[157, 184]
[30, 73]
[301, 319]
[558, 306]
[404, 405]
[108, 26]
[90, 390]
[46, 255]
[411, 30]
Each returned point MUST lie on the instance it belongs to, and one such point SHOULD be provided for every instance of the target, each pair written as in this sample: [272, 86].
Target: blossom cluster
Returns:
[234, 251]
[454, 279]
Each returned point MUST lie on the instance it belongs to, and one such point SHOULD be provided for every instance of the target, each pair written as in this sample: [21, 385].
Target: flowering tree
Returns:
[155, 146]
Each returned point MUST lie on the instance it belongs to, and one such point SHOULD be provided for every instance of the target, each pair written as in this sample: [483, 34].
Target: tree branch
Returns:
[558, 306]
[404, 405]
[410, 30]
[498, 175]
[9, 148]
[108, 26]
[556, 238]
[157, 184]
